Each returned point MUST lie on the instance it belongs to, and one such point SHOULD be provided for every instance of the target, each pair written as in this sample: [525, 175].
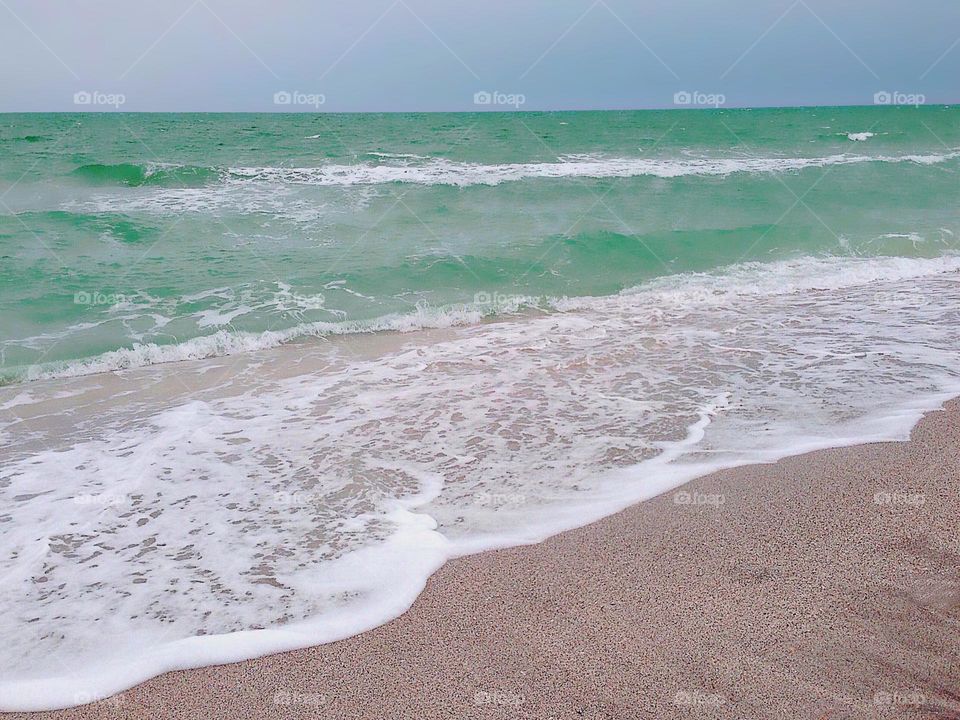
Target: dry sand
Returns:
[825, 586]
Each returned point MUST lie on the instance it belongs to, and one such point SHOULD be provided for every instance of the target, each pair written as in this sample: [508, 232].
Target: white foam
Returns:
[756, 279]
[230, 342]
[916, 239]
[446, 172]
[279, 190]
[752, 278]
[860, 136]
[294, 511]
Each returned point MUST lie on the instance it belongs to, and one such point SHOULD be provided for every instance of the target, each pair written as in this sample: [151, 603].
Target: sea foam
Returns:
[266, 513]
[446, 172]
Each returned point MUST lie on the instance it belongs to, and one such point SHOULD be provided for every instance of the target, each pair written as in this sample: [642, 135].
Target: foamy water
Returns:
[202, 513]
[445, 172]
[239, 233]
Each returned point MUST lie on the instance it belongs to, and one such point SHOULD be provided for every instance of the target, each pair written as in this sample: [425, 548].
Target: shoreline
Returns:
[824, 585]
[370, 337]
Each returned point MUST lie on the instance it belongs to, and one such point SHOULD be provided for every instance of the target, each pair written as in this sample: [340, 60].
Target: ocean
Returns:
[261, 375]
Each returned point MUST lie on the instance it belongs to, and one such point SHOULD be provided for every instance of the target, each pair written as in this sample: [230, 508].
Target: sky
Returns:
[436, 55]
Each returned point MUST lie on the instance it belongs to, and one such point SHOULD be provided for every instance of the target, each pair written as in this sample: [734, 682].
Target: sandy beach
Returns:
[825, 586]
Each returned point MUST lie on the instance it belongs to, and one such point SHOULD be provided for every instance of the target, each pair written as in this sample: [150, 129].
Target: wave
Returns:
[438, 171]
[446, 172]
[226, 342]
[135, 175]
[30, 139]
[112, 225]
[686, 290]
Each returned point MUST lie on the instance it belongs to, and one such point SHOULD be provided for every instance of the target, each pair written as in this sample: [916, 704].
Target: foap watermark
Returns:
[292, 697]
[685, 497]
[499, 299]
[297, 499]
[101, 500]
[688, 698]
[84, 696]
[296, 97]
[899, 498]
[699, 99]
[96, 297]
[498, 697]
[485, 97]
[900, 299]
[300, 302]
[499, 499]
[899, 697]
[895, 97]
[98, 98]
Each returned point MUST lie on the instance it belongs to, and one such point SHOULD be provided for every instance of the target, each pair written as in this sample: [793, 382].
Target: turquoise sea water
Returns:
[606, 305]
[170, 236]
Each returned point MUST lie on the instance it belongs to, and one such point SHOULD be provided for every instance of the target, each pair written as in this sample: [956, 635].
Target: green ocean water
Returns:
[127, 239]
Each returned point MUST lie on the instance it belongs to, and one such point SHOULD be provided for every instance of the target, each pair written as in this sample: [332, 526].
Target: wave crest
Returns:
[715, 288]
[438, 171]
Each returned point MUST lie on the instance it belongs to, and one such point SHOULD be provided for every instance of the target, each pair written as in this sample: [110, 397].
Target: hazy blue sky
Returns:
[436, 54]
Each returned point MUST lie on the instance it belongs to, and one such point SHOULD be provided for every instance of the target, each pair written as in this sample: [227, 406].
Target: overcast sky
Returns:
[237, 55]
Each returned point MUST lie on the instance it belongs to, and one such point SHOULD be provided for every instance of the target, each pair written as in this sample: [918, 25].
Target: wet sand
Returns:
[824, 586]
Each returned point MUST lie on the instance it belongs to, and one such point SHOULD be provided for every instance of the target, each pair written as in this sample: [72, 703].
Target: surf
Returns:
[309, 494]
[440, 171]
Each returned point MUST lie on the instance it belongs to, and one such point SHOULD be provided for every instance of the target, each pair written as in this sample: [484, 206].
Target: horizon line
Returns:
[515, 111]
